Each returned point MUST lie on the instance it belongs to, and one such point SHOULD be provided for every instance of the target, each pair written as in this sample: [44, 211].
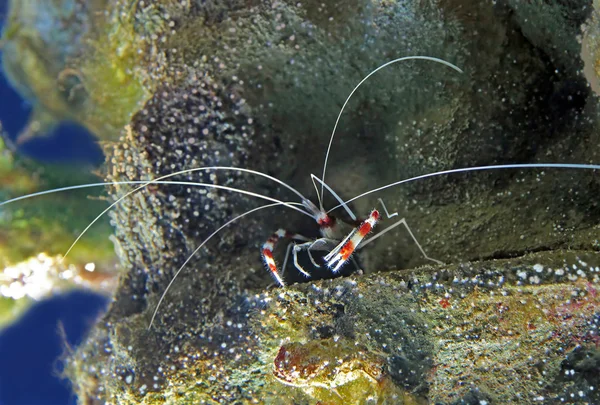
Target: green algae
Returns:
[48, 223]
[33, 268]
[75, 62]
[11, 310]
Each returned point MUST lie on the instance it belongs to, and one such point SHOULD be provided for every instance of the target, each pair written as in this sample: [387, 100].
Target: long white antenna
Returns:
[157, 181]
[148, 182]
[475, 169]
[443, 62]
[335, 195]
[293, 206]
[237, 190]
[162, 297]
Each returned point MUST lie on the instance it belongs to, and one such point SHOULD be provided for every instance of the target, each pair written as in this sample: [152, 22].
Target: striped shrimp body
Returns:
[339, 239]
[340, 249]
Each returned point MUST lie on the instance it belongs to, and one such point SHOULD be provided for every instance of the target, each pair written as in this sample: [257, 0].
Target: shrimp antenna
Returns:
[236, 190]
[159, 181]
[578, 166]
[337, 197]
[313, 177]
[443, 62]
[226, 224]
[167, 182]
[148, 182]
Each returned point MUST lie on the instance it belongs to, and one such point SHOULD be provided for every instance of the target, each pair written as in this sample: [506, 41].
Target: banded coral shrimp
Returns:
[339, 249]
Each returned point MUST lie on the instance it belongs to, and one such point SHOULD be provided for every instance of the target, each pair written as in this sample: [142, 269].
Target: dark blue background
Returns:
[30, 349]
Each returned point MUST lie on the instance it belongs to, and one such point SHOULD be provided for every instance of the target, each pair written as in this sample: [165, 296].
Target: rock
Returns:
[79, 61]
[259, 85]
[589, 50]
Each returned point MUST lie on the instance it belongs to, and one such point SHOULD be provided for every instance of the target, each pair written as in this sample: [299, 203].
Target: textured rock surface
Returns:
[259, 85]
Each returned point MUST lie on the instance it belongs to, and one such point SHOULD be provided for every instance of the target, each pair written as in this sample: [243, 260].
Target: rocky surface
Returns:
[259, 85]
[79, 61]
[503, 331]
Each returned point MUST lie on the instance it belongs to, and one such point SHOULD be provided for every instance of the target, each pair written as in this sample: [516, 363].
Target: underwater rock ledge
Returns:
[521, 330]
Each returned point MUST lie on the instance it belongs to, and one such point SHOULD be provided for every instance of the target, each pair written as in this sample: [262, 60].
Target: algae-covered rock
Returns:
[79, 61]
[508, 331]
[259, 85]
[500, 331]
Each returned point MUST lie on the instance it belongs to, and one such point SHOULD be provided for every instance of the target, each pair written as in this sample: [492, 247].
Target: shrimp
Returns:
[339, 239]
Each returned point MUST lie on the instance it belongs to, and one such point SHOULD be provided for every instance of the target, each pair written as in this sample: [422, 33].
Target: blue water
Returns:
[30, 349]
